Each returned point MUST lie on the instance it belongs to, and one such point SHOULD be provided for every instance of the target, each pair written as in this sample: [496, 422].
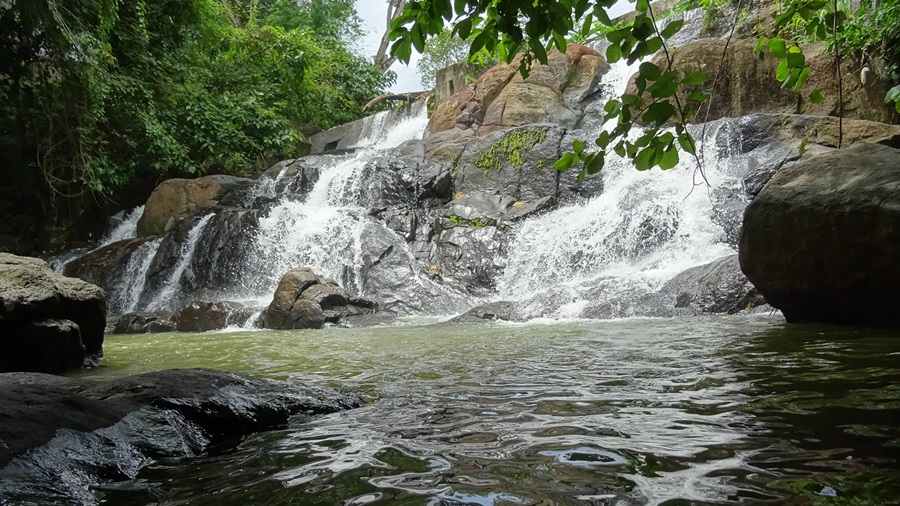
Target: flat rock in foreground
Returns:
[93, 432]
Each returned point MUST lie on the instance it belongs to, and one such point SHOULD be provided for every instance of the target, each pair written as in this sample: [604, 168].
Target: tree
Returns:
[384, 59]
[508, 26]
[664, 96]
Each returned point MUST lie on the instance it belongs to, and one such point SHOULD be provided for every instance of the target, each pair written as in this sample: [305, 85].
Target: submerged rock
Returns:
[303, 300]
[821, 242]
[85, 433]
[48, 322]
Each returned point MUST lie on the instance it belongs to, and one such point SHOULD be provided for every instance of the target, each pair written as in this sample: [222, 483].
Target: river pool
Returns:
[705, 410]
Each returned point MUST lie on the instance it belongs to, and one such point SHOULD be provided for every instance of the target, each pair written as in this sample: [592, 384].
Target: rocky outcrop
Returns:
[48, 322]
[175, 199]
[303, 300]
[144, 323]
[94, 432]
[204, 316]
[492, 312]
[747, 85]
[502, 99]
[718, 287]
[821, 242]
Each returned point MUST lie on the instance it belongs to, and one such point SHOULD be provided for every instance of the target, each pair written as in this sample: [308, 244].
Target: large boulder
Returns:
[97, 432]
[144, 323]
[717, 287]
[175, 199]
[204, 316]
[502, 99]
[38, 309]
[303, 300]
[747, 85]
[821, 242]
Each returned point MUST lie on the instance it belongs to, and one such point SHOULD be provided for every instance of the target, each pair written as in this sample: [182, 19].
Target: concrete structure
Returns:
[451, 79]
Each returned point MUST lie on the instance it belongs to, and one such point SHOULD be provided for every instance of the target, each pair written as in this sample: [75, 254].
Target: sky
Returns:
[374, 15]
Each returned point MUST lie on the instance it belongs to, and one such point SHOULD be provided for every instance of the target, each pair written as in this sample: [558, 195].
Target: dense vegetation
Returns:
[98, 94]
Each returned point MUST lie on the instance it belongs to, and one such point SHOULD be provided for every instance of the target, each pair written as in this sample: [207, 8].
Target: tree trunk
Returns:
[383, 59]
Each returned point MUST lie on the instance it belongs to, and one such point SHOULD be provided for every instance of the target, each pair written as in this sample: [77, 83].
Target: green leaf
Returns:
[631, 100]
[464, 28]
[778, 47]
[642, 5]
[760, 45]
[816, 96]
[595, 163]
[659, 113]
[602, 140]
[802, 78]
[782, 72]
[672, 28]
[613, 53]
[669, 158]
[578, 146]
[565, 163]
[539, 52]
[602, 16]
[695, 78]
[645, 159]
[687, 143]
[795, 58]
[649, 71]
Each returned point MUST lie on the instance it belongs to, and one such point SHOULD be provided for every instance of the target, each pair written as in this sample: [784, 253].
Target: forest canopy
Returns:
[95, 94]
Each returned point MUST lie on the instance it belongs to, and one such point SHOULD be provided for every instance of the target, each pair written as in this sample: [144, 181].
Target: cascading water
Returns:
[644, 228]
[123, 225]
[173, 283]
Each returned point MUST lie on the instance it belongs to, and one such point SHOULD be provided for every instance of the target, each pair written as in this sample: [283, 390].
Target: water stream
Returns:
[710, 410]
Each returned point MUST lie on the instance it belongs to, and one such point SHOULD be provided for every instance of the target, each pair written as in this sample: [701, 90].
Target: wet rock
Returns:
[144, 323]
[515, 163]
[94, 432]
[175, 199]
[821, 241]
[716, 287]
[204, 316]
[493, 311]
[105, 266]
[303, 300]
[43, 346]
[31, 293]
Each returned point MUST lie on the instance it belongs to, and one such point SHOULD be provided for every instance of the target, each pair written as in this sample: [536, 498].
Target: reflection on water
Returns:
[691, 411]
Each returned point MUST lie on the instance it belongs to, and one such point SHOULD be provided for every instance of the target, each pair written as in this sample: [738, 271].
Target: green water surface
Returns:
[743, 410]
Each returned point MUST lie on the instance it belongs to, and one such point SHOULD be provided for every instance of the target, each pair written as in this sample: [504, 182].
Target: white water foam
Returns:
[645, 228]
[134, 278]
[173, 284]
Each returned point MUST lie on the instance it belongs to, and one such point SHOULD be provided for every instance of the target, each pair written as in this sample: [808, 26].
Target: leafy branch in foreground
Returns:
[508, 27]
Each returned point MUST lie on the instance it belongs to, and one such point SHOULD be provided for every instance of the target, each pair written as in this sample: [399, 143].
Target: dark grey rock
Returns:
[144, 323]
[821, 241]
[95, 432]
[30, 293]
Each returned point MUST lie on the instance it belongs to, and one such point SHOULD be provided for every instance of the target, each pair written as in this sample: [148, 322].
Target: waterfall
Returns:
[171, 286]
[123, 226]
[646, 227]
[127, 294]
[330, 230]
